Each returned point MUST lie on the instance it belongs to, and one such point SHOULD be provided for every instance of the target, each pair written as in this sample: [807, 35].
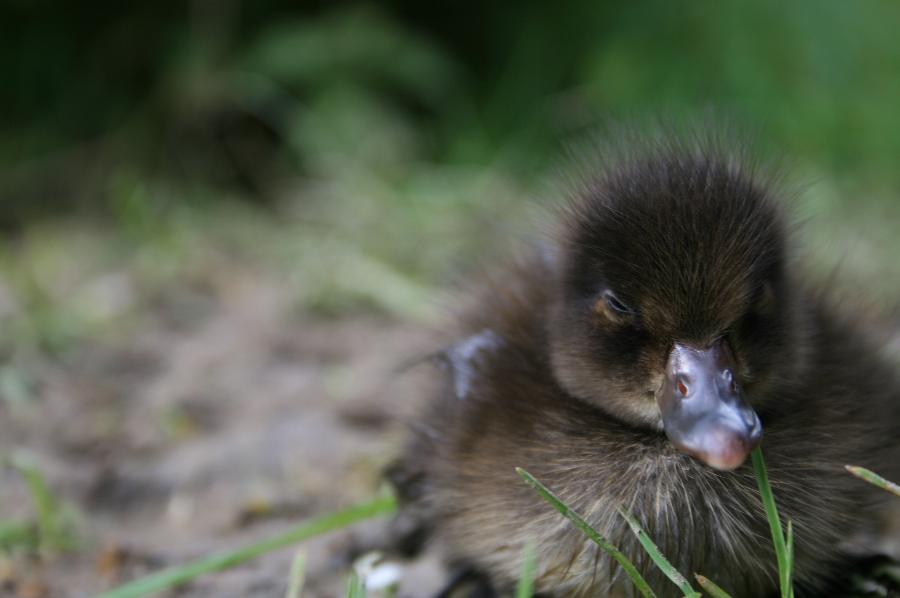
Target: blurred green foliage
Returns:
[364, 151]
[55, 527]
[477, 76]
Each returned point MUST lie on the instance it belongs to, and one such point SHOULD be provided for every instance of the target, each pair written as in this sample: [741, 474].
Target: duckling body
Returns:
[580, 365]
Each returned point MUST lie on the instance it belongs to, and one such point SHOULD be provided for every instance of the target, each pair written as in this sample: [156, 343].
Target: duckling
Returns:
[665, 332]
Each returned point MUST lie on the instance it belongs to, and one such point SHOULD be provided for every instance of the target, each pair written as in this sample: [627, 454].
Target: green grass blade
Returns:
[711, 588]
[765, 491]
[662, 562]
[161, 580]
[790, 558]
[43, 500]
[590, 532]
[21, 536]
[355, 587]
[525, 588]
[298, 573]
[874, 478]
[52, 531]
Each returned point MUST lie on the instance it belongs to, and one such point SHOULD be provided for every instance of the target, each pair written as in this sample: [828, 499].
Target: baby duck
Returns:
[664, 334]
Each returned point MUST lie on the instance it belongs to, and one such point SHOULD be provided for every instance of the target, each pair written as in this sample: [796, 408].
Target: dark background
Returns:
[195, 92]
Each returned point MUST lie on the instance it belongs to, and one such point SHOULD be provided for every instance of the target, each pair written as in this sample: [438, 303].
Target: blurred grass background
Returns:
[364, 152]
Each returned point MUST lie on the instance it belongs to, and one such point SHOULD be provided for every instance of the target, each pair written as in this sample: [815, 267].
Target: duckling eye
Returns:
[615, 303]
[611, 311]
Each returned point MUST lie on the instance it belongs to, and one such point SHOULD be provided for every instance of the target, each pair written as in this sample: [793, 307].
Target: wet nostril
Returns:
[681, 386]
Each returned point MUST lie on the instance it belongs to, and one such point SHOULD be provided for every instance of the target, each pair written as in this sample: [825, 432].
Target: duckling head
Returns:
[674, 310]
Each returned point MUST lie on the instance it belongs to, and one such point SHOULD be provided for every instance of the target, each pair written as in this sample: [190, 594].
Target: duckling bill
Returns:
[703, 410]
[665, 332]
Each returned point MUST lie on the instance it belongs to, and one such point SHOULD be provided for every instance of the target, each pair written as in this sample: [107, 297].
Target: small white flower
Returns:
[383, 576]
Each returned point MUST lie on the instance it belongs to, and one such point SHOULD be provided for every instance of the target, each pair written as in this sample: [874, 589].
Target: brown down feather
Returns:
[550, 375]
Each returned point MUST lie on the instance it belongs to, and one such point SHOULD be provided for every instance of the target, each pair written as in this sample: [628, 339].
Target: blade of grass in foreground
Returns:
[874, 478]
[711, 588]
[658, 558]
[525, 589]
[355, 586]
[790, 556]
[590, 532]
[155, 582]
[781, 550]
[298, 573]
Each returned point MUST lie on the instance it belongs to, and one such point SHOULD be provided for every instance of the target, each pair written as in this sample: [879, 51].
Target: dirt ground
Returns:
[224, 421]
[227, 410]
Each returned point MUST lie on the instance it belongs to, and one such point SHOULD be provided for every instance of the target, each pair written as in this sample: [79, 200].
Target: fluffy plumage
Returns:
[559, 370]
